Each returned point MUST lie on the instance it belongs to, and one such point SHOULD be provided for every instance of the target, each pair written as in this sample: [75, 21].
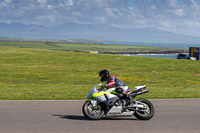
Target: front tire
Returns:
[147, 113]
[92, 113]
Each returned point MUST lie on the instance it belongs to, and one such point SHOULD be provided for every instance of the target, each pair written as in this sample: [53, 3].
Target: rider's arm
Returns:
[111, 82]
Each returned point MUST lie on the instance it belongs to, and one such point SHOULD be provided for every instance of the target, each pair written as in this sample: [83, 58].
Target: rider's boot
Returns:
[106, 107]
[130, 99]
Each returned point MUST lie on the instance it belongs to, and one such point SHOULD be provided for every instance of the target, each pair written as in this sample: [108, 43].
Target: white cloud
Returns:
[171, 15]
[153, 6]
[165, 23]
[42, 2]
[51, 18]
[69, 3]
[113, 12]
[193, 24]
[7, 1]
[46, 20]
[50, 7]
[117, 11]
[193, 2]
[109, 12]
[100, 3]
[100, 19]
[77, 13]
[172, 3]
[179, 12]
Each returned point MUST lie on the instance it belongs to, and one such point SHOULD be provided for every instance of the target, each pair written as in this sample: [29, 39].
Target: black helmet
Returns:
[103, 75]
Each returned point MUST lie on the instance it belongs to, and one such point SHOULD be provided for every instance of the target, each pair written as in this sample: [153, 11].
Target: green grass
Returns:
[80, 47]
[46, 74]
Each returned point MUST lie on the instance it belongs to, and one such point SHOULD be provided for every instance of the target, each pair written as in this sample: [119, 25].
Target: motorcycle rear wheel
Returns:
[92, 113]
[146, 114]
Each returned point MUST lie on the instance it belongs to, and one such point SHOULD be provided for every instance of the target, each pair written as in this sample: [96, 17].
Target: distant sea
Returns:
[170, 56]
[166, 45]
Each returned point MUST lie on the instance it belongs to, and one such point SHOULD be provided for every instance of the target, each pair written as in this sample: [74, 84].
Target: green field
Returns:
[81, 47]
[46, 74]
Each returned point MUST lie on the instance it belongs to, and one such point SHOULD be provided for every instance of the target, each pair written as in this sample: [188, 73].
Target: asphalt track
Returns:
[172, 116]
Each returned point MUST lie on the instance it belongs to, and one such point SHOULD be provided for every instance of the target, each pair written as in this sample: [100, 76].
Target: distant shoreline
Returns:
[148, 52]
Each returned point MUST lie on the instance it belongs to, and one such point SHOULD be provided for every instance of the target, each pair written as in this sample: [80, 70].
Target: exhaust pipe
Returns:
[139, 93]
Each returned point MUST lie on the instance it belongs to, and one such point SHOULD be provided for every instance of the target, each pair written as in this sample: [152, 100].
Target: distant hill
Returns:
[93, 32]
[54, 40]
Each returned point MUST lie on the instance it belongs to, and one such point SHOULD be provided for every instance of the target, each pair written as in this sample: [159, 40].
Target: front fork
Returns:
[94, 104]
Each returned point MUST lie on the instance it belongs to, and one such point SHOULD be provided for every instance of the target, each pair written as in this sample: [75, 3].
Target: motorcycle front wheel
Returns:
[147, 113]
[92, 113]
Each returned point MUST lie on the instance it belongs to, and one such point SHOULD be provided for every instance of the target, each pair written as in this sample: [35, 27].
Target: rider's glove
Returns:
[102, 87]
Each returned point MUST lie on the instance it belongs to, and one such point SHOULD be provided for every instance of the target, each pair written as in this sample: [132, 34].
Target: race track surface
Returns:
[172, 116]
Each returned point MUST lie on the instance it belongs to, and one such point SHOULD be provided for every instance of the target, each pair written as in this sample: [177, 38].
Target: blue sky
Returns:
[179, 16]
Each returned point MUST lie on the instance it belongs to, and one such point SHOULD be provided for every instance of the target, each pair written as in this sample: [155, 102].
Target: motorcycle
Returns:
[119, 105]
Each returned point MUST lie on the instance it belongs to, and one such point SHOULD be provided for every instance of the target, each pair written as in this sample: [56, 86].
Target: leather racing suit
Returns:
[115, 82]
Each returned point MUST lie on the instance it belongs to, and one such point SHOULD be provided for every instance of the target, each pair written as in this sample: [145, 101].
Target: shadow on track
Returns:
[71, 117]
[77, 117]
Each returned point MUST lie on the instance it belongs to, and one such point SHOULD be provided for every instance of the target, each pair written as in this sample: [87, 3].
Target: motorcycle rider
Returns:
[112, 82]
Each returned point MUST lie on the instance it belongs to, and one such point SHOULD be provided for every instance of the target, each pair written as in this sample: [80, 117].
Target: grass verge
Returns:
[42, 74]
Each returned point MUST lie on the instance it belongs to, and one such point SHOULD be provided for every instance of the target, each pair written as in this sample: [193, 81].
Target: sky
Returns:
[179, 16]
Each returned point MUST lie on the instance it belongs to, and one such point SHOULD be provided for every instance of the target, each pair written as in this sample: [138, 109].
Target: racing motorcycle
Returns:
[118, 104]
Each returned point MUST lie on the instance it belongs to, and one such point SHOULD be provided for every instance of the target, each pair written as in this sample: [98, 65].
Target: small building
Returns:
[194, 52]
[94, 52]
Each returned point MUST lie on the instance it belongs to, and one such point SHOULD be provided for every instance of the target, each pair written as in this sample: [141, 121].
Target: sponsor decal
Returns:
[114, 113]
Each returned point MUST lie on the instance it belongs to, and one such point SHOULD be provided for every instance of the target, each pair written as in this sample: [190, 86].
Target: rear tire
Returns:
[146, 114]
[92, 113]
